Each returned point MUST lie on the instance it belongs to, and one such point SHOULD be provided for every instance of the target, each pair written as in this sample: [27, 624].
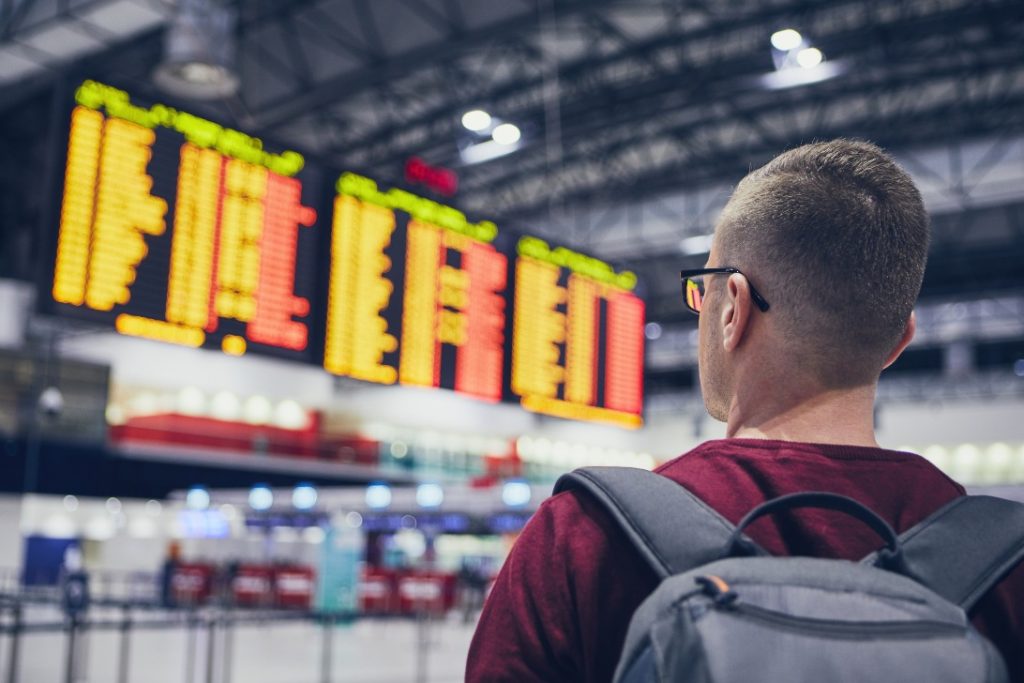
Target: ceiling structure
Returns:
[636, 117]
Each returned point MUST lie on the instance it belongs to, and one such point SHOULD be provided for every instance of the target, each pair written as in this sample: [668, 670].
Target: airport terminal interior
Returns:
[305, 305]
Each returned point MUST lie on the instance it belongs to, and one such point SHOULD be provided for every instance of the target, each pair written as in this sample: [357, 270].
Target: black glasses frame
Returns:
[684, 275]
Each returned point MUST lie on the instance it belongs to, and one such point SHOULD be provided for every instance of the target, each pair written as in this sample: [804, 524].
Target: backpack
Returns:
[728, 612]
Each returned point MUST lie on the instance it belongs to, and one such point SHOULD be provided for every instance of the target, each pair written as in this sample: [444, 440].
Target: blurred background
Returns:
[305, 305]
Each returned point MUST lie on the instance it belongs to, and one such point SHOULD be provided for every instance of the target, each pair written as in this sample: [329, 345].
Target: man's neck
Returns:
[838, 417]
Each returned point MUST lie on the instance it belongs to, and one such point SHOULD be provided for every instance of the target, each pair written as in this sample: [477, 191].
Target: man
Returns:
[825, 248]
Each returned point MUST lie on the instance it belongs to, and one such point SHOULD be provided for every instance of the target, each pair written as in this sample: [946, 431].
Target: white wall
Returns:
[144, 363]
[430, 409]
[900, 424]
[921, 424]
[355, 405]
[15, 302]
[12, 544]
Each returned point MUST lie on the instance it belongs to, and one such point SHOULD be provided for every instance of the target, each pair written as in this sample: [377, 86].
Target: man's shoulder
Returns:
[766, 453]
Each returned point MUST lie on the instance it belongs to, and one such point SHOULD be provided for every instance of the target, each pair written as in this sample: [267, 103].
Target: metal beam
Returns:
[707, 166]
[666, 99]
[324, 94]
[508, 96]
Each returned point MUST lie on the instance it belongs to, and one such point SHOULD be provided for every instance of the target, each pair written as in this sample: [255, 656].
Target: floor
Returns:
[369, 651]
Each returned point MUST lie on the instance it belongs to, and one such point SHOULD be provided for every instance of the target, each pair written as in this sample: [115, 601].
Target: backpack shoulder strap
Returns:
[670, 527]
[966, 547]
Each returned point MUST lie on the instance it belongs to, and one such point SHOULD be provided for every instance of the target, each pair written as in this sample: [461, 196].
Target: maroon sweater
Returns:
[562, 603]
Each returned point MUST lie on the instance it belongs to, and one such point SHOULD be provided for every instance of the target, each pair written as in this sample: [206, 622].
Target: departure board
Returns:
[419, 295]
[176, 229]
[577, 338]
[416, 294]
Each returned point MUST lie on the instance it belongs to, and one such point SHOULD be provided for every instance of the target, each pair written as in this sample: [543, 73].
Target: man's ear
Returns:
[908, 335]
[736, 311]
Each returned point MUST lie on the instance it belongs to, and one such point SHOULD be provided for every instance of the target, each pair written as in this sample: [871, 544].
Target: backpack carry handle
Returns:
[890, 557]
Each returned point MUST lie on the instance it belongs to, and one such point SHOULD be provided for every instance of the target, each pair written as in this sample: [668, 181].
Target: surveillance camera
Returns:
[51, 402]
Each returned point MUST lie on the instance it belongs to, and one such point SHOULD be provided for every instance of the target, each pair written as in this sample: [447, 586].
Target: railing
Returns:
[210, 633]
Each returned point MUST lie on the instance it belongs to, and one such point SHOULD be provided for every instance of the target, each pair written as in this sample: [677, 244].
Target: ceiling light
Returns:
[786, 39]
[191, 401]
[697, 244]
[809, 57]
[378, 496]
[304, 497]
[261, 498]
[199, 51]
[197, 498]
[429, 495]
[485, 151]
[290, 414]
[795, 77]
[225, 406]
[476, 120]
[516, 493]
[257, 410]
[506, 134]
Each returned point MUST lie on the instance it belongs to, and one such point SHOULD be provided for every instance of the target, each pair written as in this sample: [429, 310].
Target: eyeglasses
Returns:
[693, 287]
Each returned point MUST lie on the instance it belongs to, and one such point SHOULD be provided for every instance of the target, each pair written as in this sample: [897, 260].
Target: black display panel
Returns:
[174, 228]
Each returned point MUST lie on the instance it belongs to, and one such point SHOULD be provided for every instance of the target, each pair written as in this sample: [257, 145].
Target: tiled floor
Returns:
[364, 652]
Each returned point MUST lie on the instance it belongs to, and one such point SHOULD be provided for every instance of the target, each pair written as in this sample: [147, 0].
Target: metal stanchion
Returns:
[124, 658]
[229, 638]
[69, 661]
[190, 648]
[211, 645]
[327, 649]
[12, 663]
[422, 644]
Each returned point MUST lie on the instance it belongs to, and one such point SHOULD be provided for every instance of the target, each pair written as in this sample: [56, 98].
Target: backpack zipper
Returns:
[847, 629]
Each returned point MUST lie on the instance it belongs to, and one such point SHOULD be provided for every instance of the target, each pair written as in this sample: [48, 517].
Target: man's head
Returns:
[835, 236]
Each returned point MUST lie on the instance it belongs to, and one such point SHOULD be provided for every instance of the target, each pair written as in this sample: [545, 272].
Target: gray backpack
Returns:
[727, 612]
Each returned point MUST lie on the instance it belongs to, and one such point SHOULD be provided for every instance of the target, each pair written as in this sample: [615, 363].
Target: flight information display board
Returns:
[176, 229]
[416, 294]
[578, 343]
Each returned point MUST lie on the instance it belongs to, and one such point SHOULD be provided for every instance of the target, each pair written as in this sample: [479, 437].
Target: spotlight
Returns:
[485, 151]
[304, 497]
[516, 493]
[476, 120]
[786, 39]
[809, 57]
[429, 495]
[506, 134]
[197, 498]
[261, 498]
[378, 496]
